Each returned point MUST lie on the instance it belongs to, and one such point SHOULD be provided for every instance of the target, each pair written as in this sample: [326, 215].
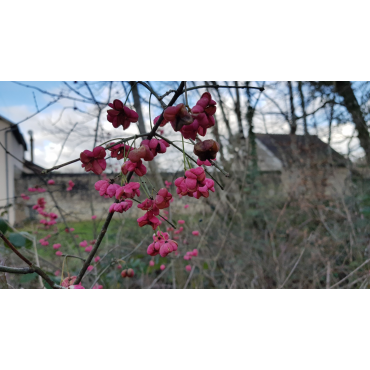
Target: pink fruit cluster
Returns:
[71, 184]
[152, 206]
[194, 184]
[188, 256]
[94, 161]
[121, 115]
[38, 189]
[127, 273]
[161, 245]
[197, 121]
[69, 281]
[119, 151]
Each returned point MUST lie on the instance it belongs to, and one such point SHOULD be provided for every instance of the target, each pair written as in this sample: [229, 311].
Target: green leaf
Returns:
[27, 278]
[3, 226]
[17, 239]
[205, 266]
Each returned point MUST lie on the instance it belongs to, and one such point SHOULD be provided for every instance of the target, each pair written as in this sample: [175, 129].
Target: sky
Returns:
[51, 129]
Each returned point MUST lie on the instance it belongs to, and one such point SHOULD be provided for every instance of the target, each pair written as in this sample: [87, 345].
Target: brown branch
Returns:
[36, 269]
[77, 159]
[15, 270]
[110, 215]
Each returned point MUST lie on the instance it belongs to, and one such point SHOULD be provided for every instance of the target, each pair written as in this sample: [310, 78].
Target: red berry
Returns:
[130, 273]
[124, 273]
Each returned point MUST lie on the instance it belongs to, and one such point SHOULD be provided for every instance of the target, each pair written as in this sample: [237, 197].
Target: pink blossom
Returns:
[194, 184]
[31, 190]
[59, 253]
[68, 281]
[71, 229]
[149, 219]
[57, 273]
[25, 197]
[167, 247]
[105, 187]
[51, 182]
[156, 146]
[151, 263]
[186, 206]
[89, 248]
[162, 200]
[119, 151]
[121, 207]
[158, 240]
[203, 191]
[129, 190]
[167, 183]
[94, 161]
[181, 222]
[40, 204]
[93, 217]
[148, 205]
[83, 244]
[143, 152]
[90, 268]
[79, 286]
[121, 115]
[195, 232]
[203, 113]
[188, 268]
[187, 257]
[162, 267]
[163, 123]
[97, 286]
[119, 267]
[137, 167]
[195, 252]
[97, 259]
[56, 246]
[178, 116]
[204, 163]
[71, 185]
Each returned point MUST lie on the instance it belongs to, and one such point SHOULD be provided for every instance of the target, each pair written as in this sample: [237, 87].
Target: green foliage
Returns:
[27, 278]
[3, 226]
[19, 241]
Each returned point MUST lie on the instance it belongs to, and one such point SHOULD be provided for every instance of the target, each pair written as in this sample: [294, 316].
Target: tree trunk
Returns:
[293, 122]
[137, 104]
[303, 106]
[345, 90]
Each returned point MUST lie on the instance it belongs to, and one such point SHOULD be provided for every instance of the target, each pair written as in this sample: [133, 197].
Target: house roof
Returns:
[309, 146]
[32, 167]
[17, 134]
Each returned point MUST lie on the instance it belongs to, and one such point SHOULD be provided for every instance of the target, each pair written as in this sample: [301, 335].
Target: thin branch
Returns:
[77, 159]
[178, 148]
[110, 215]
[15, 270]
[341, 281]
[294, 267]
[37, 269]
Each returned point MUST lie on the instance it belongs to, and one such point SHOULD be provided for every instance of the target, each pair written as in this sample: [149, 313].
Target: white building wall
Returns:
[10, 170]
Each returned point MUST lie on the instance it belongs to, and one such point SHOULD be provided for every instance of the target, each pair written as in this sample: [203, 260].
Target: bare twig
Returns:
[37, 269]
[341, 281]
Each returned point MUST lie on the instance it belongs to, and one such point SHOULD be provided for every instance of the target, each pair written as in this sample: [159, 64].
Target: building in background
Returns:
[13, 141]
